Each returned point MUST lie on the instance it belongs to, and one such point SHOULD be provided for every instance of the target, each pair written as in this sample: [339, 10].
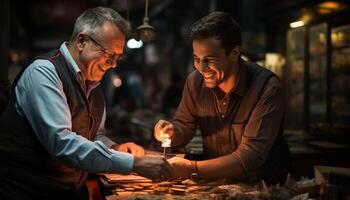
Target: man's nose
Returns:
[202, 65]
[112, 62]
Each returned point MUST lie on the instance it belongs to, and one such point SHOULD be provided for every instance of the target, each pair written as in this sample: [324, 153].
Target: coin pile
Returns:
[165, 187]
[190, 189]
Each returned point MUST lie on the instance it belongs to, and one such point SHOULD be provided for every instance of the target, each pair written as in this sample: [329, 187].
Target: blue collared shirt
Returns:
[41, 100]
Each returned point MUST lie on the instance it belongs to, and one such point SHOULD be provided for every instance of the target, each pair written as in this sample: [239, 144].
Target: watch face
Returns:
[194, 176]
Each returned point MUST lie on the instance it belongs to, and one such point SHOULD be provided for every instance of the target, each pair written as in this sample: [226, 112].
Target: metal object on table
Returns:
[165, 143]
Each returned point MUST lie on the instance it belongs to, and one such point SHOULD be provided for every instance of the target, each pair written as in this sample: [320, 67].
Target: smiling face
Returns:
[216, 66]
[93, 61]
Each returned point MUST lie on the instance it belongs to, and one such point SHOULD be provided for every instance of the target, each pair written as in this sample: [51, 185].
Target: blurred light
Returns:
[330, 6]
[296, 24]
[14, 56]
[244, 57]
[134, 44]
[146, 32]
[117, 81]
[275, 62]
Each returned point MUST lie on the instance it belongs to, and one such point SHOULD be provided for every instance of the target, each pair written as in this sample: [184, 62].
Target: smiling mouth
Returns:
[208, 75]
[102, 68]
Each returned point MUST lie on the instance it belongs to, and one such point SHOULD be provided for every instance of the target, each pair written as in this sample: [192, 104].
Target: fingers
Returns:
[165, 173]
[155, 168]
[137, 151]
[161, 128]
[181, 167]
[132, 148]
[167, 170]
[162, 123]
[172, 160]
[122, 148]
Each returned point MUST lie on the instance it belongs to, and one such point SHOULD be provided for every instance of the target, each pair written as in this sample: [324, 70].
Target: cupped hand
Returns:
[153, 167]
[181, 167]
[132, 148]
[163, 130]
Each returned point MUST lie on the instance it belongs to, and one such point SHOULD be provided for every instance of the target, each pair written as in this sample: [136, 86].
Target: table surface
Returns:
[200, 189]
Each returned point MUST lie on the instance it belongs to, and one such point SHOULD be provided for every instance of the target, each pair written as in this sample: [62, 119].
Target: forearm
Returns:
[90, 156]
[105, 140]
[182, 135]
[184, 120]
[223, 167]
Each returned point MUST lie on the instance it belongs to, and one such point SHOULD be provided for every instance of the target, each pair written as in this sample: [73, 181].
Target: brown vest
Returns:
[26, 169]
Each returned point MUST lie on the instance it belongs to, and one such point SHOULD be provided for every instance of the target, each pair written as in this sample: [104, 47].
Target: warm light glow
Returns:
[296, 24]
[330, 6]
[146, 33]
[117, 81]
[134, 44]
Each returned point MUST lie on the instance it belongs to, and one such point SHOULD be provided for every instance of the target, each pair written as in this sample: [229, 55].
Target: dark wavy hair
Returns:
[220, 25]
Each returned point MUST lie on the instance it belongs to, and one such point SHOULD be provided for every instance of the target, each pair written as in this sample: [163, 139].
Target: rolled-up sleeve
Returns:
[184, 119]
[262, 127]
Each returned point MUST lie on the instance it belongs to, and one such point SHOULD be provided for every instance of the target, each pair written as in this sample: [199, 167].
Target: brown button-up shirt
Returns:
[214, 112]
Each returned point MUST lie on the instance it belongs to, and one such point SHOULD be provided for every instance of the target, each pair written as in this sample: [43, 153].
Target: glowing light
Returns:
[117, 81]
[296, 24]
[134, 44]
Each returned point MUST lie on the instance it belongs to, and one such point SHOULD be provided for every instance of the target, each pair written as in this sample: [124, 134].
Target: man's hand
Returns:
[152, 167]
[181, 168]
[162, 128]
[130, 147]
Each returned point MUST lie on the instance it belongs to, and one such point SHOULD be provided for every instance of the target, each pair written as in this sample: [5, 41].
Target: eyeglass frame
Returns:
[106, 52]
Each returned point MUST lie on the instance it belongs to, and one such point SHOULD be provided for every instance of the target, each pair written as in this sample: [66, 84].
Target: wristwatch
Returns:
[194, 170]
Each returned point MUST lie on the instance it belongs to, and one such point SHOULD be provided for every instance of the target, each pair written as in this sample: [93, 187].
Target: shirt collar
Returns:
[71, 62]
[69, 58]
[241, 83]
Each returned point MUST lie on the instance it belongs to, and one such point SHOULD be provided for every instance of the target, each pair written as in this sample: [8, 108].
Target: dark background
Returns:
[153, 75]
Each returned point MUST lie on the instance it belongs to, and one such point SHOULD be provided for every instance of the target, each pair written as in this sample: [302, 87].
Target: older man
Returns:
[55, 111]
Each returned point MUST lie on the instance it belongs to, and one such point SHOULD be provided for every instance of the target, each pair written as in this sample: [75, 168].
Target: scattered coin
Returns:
[161, 189]
[138, 187]
[127, 185]
[146, 184]
[177, 191]
[165, 183]
[179, 186]
[188, 182]
[192, 189]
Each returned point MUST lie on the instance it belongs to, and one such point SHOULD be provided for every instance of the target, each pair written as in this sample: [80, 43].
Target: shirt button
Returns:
[222, 116]
[224, 103]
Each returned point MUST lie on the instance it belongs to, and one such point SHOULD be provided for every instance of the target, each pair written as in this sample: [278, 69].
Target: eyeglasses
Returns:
[110, 55]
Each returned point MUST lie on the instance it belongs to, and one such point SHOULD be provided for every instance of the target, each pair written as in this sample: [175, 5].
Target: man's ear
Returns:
[80, 41]
[236, 52]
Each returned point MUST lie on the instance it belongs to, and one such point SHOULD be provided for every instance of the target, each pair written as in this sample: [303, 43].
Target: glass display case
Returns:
[295, 78]
[318, 79]
[317, 73]
[340, 75]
